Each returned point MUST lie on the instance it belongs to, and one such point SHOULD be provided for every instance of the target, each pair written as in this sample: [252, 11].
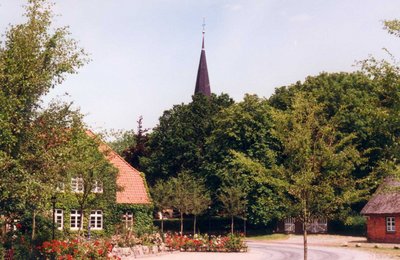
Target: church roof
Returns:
[202, 81]
[386, 199]
[132, 183]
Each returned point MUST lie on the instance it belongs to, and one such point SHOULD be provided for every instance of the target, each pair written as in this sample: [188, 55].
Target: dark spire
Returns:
[202, 81]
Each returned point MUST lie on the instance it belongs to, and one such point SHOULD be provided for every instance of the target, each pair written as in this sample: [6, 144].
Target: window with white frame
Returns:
[96, 219]
[76, 222]
[59, 218]
[127, 219]
[390, 224]
[77, 184]
[97, 187]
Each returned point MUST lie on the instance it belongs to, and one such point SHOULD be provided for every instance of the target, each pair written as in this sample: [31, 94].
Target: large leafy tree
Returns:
[361, 104]
[242, 147]
[177, 143]
[34, 58]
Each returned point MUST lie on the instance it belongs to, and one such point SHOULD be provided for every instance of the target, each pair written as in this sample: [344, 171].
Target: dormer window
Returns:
[77, 184]
[97, 187]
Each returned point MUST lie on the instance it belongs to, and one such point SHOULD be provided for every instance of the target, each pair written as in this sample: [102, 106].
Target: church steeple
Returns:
[202, 81]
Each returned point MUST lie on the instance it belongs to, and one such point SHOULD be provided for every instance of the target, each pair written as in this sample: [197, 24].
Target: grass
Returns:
[269, 237]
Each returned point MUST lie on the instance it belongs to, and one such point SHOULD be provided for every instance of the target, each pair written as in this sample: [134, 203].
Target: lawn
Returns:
[269, 237]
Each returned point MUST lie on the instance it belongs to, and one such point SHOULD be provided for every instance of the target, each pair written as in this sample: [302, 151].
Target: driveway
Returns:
[276, 251]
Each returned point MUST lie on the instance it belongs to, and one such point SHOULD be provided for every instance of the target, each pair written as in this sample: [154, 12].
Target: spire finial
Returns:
[204, 30]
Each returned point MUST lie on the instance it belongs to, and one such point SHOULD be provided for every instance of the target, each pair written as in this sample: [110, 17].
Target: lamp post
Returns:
[53, 201]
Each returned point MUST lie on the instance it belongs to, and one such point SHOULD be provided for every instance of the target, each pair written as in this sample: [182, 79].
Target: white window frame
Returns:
[390, 224]
[127, 219]
[75, 220]
[59, 218]
[96, 220]
[97, 187]
[77, 184]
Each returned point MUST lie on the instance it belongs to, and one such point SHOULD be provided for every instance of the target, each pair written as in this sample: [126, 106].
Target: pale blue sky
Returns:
[145, 53]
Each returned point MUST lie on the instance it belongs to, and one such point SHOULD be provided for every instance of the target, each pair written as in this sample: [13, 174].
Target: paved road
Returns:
[295, 252]
[275, 251]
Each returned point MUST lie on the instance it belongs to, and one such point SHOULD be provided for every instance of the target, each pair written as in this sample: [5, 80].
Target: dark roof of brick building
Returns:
[386, 199]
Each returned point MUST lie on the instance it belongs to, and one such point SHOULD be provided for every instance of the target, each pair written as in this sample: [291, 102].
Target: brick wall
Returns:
[376, 229]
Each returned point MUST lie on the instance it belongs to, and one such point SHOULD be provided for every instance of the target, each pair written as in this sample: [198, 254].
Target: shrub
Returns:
[230, 243]
[77, 249]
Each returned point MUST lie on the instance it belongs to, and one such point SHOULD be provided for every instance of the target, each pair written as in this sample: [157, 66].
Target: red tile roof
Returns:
[132, 184]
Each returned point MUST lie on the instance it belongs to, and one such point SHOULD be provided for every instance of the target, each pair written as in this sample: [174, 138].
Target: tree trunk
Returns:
[181, 223]
[244, 227]
[305, 240]
[33, 224]
[194, 225]
[162, 223]
[232, 225]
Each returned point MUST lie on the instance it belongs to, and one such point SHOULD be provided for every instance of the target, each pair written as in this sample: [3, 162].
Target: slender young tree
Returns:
[162, 194]
[200, 200]
[233, 199]
[318, 162]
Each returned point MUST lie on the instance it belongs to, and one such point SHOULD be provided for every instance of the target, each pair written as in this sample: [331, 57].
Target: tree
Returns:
[241, 146]
[182, 200]
[177, 143]
[89, 168]
[133, 153]
[318, 162]
[33, 59]
[392, 26]
[162, 194]
[200, 199]
[362, 104]
[233, 198]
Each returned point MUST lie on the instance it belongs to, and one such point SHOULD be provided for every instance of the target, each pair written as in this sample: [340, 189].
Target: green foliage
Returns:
[318, 161]
[143, 217]
[177, 143]
[121, 140]
[392, 26]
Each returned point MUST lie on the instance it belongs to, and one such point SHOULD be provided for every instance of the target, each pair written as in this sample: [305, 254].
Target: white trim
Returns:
[77, 184]
[96, 220]
[390, 224]
[97, 187]
[59, 218]
[75, 219]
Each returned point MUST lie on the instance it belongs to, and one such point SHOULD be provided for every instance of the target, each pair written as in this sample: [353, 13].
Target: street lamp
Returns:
[53, 201]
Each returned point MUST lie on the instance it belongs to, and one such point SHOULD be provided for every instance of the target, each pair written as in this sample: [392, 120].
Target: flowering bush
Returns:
[77, 249]
[230, 243]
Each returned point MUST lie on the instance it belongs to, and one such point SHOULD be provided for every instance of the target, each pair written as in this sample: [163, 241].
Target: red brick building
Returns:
[383, 213]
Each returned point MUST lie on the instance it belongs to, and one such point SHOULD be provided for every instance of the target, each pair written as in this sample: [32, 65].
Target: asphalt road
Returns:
[295, 252]
[275, 251]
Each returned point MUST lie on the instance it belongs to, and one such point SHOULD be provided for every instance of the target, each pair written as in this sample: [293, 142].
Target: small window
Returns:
[96, 219]
[76, 222]
[127, 219]
[390, 224]
[97, 187]
[60, 187]
[59, 217]
[77, 184]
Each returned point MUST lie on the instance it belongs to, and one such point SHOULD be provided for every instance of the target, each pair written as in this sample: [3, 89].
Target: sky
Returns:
[144, 54]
